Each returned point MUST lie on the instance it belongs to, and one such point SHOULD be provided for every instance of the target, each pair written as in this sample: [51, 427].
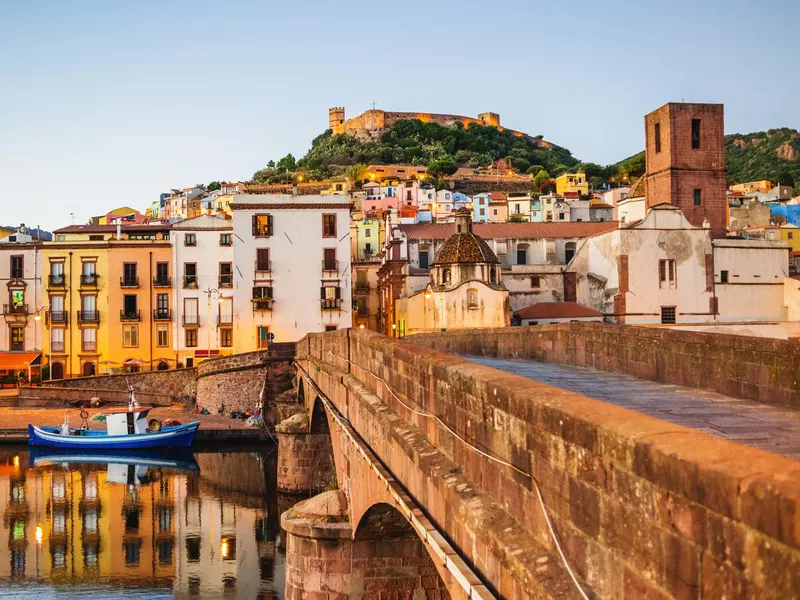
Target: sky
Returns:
[109, 103]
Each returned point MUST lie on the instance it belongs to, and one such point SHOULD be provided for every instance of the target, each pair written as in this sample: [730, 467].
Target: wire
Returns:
[490, 457]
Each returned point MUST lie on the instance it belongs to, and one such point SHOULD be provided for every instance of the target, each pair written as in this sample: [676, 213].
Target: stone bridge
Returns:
[457, 479]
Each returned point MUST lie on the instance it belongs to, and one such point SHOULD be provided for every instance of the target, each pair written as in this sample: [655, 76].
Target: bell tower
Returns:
[336, 119]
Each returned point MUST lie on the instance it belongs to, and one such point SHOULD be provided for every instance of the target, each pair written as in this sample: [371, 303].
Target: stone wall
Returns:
[642, 507]
[180, 384]
[751, 368]
[235, 383]
[66, 396]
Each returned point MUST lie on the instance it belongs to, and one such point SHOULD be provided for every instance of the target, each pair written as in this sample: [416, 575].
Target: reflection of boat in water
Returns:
[130, 468]
[126, 429]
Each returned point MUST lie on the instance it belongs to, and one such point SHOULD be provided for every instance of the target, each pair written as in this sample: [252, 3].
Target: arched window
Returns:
[132, 366]
[88, 369]
[57, 370]
[162, 365]
[446, 275]
[522, 254]
[493, 275]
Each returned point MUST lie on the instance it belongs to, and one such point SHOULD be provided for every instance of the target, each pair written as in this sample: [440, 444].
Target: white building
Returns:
[292, 276]
[202, 285]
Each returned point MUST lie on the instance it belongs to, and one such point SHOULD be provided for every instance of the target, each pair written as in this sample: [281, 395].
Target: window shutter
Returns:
[269, 224]
[322, 293]
[269, 293]
[338, 293]
[255, 225]
[255, 293]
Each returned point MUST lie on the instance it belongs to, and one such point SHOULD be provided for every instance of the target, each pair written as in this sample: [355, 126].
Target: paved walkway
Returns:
[742, 421]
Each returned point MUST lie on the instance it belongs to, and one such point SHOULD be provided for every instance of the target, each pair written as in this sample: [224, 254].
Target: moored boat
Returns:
[125, 430]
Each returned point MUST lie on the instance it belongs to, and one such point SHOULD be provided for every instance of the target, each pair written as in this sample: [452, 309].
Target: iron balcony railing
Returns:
[191, 320]
[262, 303]
[88, 316]
[330, 266]
[56, 346]
[162, 282]
[57, 316]
[19, 309]
[226, 281]
[362, 286]
[129, 282]
[224, 319]
[130, 315]
[331, 303]
[89, 279]
[56, 280]
[162, 314]
[190, 282]
[263, 266]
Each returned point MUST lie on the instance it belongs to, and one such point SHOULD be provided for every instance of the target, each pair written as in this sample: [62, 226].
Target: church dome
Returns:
[464, 246]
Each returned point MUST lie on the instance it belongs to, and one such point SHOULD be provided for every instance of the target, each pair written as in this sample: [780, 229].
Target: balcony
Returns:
[226, 281]
[56, 347]
[191, 320]
[331, 303]
[330, 266]
[190, 282]
[20, 310]
[263, 266]
[89, 280]
[367, 257]
[89, 346]
[262, 304]
[163, 281]
[362, 286]
[130, 315]
[57, 316]
[56, 281]
[129, 282]
[88, 316]
[162, 314]
[224, 319]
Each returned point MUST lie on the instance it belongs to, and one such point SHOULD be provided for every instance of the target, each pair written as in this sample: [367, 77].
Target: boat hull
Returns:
[178, 436]
[178, 459]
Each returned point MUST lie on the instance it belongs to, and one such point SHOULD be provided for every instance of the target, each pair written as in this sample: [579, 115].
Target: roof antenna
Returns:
[72, 215]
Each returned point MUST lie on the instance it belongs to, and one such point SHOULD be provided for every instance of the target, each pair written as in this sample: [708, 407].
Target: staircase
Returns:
[8, 401]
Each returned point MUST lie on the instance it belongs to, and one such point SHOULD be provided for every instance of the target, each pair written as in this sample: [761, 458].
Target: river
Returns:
[196, 525]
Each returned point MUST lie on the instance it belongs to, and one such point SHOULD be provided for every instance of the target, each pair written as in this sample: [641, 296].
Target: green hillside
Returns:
[773, 154]
[441, 149]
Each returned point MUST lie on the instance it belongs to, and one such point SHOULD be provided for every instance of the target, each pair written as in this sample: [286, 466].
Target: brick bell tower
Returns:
[685, 155]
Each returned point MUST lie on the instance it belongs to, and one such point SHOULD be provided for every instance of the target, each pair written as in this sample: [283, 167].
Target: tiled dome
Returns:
[464, 246]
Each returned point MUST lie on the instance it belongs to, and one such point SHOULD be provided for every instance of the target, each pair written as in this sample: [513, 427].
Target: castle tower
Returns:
[336, 118]
[490, 118]
[685, 155]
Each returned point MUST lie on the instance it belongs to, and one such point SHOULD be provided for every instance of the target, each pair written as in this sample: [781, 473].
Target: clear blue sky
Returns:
[108, 103]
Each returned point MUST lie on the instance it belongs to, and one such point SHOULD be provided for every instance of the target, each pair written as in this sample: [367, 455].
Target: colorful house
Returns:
[572, 182]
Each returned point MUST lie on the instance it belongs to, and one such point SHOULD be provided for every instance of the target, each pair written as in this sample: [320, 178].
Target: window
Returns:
[89, 340]
[129, 274]
[695, 135]
[225, 239]
[162, 273]
[190, 311]
[560, 216]
[790, 234]
[56, 273]
[329, 261]
[536, 282]
[522, 255]
[668, 315]
[17, 267]
[17, 335]
[262, 259]
[472, 298]
[88, 369]
[698, 197]
[569, 251]
[162, 336]
[262, 225]
[226, 337]
[329, 226]
[190, 240]
[130, 336]
[667, 277]
[162, 306]
[482, 211]
[56, 340]
[262, 331]
[657, 137]
[495, 211]
[262, 293]
[723, 277]
[424, 259]
[129, 307]
[189, 275]
[445, 275]
[190, 338]
[367, 232]
[330, 327]
[226, 274]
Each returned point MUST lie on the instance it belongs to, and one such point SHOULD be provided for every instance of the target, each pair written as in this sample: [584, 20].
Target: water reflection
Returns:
[201, 526]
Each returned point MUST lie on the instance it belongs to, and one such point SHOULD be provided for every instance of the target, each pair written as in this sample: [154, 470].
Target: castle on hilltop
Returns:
[371, 123]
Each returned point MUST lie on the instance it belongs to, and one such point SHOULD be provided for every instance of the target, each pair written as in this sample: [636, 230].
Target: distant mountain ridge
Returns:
[772, 154]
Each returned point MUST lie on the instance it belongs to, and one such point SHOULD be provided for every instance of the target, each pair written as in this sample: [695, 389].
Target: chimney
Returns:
[119, 231]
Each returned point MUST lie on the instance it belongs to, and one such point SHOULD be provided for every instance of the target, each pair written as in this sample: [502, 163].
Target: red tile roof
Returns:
[113, 228]
[600, 205]
[557, 310]
[569, 195]
[515, 231]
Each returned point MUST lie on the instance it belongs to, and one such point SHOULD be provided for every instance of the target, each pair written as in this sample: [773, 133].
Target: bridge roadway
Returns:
[741, 421]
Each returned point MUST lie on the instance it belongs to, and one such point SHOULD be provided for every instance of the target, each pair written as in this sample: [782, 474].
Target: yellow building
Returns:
[791, 235]
[761, 186]
[108, 293]
[572, 182]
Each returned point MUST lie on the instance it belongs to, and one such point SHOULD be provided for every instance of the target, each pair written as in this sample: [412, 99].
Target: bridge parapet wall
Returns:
[759, 369]
[641, 507]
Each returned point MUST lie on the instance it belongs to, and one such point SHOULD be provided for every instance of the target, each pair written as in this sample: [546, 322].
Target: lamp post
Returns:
[37, 316]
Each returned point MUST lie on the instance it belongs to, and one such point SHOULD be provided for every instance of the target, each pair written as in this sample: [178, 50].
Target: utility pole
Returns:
[210, 292]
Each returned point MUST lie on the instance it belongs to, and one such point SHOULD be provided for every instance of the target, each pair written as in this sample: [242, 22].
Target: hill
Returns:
[773, 154]
[441, 149]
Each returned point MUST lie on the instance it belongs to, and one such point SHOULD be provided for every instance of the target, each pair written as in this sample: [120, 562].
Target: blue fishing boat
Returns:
[179, 459]
[125, 430]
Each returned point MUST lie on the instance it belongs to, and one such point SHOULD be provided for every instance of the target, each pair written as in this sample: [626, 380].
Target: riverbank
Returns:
[213, 428]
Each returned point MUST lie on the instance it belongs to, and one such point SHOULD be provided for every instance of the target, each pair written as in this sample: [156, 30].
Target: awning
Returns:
[19, 360]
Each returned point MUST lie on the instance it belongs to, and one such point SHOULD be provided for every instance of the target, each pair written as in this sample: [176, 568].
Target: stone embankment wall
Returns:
[61, 396]
[235, 382]
[180, 384]
[641, 507]
[760, 369]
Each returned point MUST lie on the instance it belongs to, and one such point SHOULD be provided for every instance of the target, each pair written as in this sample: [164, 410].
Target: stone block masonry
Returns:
[179, 384]
[758, 369]
[642, 508]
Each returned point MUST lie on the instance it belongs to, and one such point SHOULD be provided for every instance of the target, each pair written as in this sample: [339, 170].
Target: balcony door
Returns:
[89, 304]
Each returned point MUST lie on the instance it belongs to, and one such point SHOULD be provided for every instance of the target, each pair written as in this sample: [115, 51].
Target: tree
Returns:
[271, 164]
[540, 177]
[213, 186]
[785, 178]
[517, 218]
[356, 172]
[287, 163]
[446, 165]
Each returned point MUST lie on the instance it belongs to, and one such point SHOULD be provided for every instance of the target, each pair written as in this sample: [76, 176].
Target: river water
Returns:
[202, 525]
